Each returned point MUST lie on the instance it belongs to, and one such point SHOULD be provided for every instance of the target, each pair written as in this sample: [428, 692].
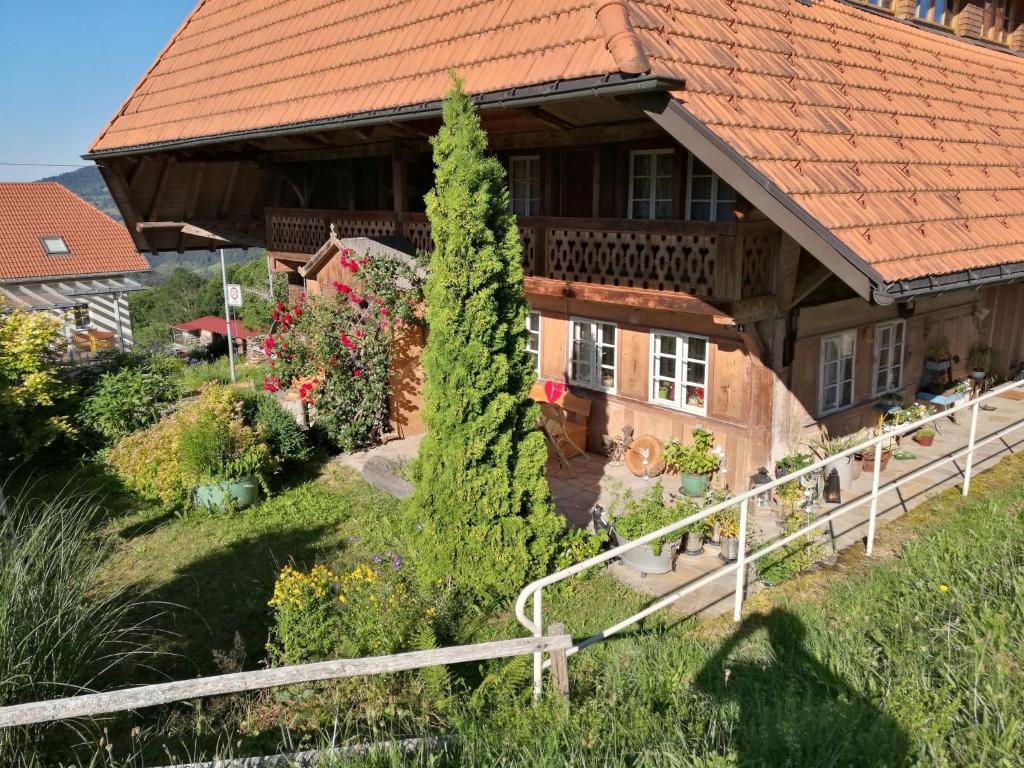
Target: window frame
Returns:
[990, 12]
[532, 335]
[682, 359]
[876, 354]
[653, 199]
[513, 161]
[714, 201]
[597, 366]
[822, 410]
[46, 248]
[74, 311]
[950, 13]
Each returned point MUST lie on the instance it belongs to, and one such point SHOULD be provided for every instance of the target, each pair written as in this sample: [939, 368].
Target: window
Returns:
[940, 12]
[650, 184]
[885, 5]
[708, 197]
[524, 185]
[679, 371]
[592, 354]
[54, 245]
[888, 357]
[836, 371]
[80, 316]
[997, 21]
[533, 342]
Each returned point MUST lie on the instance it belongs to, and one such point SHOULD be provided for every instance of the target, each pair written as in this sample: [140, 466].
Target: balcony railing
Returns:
[727, 261]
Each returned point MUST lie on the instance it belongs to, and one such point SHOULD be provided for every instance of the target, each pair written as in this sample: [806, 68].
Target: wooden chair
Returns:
[575, 413]
[552, 420]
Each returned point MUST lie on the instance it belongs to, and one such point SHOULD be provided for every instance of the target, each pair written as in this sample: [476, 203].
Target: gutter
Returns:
[607, 85]
[75, 276]
[933, 285]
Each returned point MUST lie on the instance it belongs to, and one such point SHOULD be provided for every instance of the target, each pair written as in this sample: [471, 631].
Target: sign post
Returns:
[232, 297]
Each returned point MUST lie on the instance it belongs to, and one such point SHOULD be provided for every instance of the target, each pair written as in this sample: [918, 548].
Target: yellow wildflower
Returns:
[943, 588]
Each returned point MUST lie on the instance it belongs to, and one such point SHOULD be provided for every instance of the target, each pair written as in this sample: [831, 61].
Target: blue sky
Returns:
[65, 68]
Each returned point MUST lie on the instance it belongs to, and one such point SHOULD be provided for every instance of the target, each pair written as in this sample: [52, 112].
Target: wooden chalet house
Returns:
[751, 214]
[64, 257]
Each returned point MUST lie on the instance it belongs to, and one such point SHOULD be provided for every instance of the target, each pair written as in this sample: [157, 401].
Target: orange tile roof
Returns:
[28, 211]
[907, 145]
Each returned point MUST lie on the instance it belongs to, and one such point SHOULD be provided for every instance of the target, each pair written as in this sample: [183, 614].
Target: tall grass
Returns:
[58, 636]
[196, 375]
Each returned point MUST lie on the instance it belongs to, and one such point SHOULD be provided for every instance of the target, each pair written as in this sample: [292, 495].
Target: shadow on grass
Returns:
[225, 592]
[793, 709]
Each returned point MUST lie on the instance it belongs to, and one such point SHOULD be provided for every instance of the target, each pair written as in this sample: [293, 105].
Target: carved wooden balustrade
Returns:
[725, 261]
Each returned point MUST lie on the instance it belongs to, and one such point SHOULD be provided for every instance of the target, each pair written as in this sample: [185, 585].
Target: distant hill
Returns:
[88, 184]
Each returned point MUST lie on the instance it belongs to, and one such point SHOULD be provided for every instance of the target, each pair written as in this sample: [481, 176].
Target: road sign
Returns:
[233, 292]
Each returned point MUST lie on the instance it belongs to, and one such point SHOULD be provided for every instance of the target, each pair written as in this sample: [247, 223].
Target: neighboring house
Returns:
[60, 255]
[754, 215]
[204, 330]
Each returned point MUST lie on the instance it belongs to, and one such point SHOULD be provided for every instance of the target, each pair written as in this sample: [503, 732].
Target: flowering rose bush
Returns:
[334, 349]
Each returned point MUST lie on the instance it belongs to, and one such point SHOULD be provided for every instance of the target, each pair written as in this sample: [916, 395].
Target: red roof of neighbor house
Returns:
[908, 146]
[29, 211]
[215, 324]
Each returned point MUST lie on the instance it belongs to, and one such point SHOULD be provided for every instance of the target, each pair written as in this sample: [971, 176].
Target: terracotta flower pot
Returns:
[868, 460]
[924, 440]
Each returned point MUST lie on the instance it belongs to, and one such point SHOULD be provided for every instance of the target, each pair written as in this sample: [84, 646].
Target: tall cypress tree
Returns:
[481, 502]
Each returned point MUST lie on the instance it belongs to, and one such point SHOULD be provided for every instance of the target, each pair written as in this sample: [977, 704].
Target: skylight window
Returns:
[54, 245]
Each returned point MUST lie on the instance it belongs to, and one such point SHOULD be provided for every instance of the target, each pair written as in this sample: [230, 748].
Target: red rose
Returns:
[280, 306]
[357, 372]
[349, 344]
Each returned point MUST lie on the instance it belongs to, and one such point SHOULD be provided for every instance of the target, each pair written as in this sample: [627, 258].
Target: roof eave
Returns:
[765, 195]
[607, 85]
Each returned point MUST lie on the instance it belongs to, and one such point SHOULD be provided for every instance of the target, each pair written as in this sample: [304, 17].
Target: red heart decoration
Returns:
[553, 390]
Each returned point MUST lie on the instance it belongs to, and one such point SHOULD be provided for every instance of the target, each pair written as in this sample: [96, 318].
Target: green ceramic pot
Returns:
[233, 494]
[694, 486]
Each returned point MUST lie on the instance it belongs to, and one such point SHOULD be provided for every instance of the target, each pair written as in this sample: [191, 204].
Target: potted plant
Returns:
[981, 359]
[727, 522]
[846, 467]
[936, 355]
[792, 463]
[868, 457]
[712, 498]
[225, 459]
[632, 518]
[695, 462]
[925, 436]
[695, 533]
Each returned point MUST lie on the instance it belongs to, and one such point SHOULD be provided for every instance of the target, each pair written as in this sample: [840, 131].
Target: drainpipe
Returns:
[620, 37]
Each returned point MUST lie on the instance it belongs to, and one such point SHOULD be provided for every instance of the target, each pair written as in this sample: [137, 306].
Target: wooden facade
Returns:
[676, 254]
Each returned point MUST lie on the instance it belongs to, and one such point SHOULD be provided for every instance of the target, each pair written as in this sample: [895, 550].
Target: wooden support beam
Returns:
[640, 298]
[786, 273]
[547, 118]
[753, 309]
[169, 163]
[229, 190]
[559, 664]
[809, 283]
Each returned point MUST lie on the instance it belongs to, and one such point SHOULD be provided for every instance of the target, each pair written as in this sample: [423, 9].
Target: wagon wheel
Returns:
[635, 456]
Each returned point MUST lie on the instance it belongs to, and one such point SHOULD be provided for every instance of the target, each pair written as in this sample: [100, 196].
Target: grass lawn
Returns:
[216, 572]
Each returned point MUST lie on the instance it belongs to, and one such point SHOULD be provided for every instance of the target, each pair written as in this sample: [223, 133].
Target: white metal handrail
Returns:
[535, 588]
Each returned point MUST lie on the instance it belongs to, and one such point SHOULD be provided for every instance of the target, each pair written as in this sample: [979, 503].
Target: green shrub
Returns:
[795, 557]
[633, 518]
[481, 506]
[132, 398]
[59, 634]
[696, 458]
[151, 463]
[288, 443]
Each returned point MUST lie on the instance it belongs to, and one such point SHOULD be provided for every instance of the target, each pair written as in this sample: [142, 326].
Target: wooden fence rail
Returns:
[164, 693]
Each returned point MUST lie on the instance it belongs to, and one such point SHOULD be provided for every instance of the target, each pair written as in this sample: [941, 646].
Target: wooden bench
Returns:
[577, 412]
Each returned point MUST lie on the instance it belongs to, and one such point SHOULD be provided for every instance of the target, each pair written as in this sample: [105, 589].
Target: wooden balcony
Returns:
[723, 261]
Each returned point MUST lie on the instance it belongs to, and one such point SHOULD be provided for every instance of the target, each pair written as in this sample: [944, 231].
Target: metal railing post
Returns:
[538, 658]
[741, 561]
[874, 498]
[970, 447]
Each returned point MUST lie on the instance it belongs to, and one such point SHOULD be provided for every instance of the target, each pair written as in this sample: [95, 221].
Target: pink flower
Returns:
[360, 334]
[298, 311]
[272, 384]
[357, 372]
[341, 287]
[349, 344]
[280, 306]
[302, 296]
[384, 312]
[269, 343]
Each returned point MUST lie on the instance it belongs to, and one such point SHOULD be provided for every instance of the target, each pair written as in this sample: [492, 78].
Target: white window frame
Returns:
[652, 190]
[822, 410]
[596, 366]
[893, 363]
[683, 360]
[517, 166]
[714, 201]
[533, 341]
[63, 250]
